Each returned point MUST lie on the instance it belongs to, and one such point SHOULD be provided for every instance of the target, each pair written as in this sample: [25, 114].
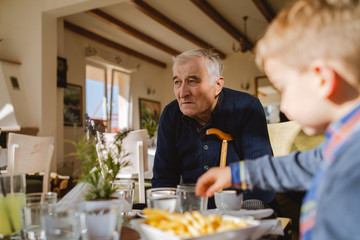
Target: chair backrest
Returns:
[282, 136]
[135, 146]
[30, 154]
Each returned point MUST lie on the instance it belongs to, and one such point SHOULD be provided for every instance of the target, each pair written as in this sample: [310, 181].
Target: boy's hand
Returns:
[213, 180]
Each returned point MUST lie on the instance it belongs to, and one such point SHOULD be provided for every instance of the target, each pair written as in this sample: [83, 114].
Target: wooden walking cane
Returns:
[225, 137]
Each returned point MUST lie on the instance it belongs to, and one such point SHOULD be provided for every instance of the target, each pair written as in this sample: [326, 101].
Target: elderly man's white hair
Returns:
[214, 66]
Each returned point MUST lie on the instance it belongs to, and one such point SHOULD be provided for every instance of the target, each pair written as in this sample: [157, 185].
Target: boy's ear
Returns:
[327, 77]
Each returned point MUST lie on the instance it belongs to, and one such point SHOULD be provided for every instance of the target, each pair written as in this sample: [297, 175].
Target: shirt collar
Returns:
[338, 125]
[338, 131]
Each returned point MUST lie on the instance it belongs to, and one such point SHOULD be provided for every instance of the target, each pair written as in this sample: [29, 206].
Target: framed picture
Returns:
[149, 112]
[61, 72]
[73, 105]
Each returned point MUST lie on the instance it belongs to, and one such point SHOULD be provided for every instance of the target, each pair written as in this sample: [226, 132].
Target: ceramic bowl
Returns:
[228, 200]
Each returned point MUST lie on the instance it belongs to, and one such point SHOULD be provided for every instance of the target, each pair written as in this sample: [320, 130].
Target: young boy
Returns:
[311, 54]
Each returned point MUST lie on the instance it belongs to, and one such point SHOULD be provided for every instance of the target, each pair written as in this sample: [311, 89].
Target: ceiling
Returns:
[156, 30]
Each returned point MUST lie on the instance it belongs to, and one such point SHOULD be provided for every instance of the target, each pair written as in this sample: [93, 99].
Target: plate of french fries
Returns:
[160, 224]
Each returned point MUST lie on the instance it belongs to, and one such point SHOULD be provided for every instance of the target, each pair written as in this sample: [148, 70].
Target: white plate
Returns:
[257, 214]
[141, 214]
[150, 233]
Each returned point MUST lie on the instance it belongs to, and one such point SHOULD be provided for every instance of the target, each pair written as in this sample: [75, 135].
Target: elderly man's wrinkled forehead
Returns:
[186, 59]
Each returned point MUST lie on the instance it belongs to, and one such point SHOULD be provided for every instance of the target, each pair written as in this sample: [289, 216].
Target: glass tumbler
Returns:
[162, 198]
[125, 191]
[12, 198]
[64, 225]
[188, 201]
[31, 217]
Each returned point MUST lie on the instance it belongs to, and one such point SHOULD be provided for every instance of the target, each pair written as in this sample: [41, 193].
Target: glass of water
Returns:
[64, 225]
[31, 218]
[188, 201]
[162, 198]
[125, 191]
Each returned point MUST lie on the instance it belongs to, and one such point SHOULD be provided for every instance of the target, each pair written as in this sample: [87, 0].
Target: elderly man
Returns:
[184, 151]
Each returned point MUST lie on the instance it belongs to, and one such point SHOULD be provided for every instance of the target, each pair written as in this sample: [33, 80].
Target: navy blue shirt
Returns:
[185, 152]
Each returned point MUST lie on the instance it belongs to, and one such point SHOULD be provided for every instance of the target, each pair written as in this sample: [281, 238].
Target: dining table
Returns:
[270, 229]
[129, 233]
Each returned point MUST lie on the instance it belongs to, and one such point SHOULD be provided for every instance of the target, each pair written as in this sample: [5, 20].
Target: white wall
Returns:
[240, 68]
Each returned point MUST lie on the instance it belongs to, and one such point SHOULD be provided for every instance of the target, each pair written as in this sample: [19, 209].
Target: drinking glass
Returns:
[162, 198]
[188, 201]
[63, 225]
[12, 198]
[31, 217]
[125, 191]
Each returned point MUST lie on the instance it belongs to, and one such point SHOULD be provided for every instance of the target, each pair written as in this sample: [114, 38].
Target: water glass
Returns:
[63, 225]
[188, 201]
[31, 217]
[162, 198]
[125, 191]
[12, 198]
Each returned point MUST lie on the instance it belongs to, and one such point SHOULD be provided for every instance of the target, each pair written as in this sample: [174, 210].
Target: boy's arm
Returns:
[290, 172]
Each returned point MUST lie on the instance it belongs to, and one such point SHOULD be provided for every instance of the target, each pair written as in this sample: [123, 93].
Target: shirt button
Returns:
[206, 167]
[206, 147]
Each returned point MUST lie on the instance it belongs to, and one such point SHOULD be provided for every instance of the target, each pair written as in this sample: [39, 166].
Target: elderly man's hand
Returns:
[213, 180]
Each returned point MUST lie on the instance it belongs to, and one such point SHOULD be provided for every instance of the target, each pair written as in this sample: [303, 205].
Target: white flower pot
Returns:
[102, 219]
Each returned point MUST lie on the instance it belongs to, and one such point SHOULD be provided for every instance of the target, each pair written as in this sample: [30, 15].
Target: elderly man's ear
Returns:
[219, 84]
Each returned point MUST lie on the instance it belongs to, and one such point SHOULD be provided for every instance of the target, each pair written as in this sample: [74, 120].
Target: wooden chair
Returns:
[135, 145]
[30, 154]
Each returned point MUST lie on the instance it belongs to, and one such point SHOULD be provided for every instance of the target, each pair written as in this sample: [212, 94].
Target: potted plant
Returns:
[151, 125]
[101, 163]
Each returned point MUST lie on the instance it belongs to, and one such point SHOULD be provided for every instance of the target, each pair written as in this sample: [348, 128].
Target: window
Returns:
[107, 97]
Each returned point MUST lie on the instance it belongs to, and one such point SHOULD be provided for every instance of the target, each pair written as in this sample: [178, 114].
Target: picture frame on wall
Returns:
[149, 110]
[73, 105]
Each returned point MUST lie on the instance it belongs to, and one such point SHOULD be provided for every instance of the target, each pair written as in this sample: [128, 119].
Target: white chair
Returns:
[134, 146]
[30, 154]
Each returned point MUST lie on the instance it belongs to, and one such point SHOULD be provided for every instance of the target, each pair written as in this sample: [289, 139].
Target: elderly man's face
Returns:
[193, 90]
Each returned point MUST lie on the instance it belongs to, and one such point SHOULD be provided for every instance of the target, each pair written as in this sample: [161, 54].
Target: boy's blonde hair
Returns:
[310, 29]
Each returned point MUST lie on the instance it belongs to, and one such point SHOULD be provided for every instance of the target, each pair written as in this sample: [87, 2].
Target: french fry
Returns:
[189, 225]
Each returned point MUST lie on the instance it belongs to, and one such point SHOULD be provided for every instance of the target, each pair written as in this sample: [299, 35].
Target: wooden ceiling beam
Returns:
[83, 32]
[214, 15]
[114, 22]
[264, 9]
[165, 21]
